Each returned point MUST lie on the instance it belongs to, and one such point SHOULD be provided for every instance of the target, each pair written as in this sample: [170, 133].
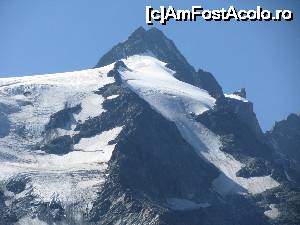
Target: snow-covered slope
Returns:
[178, 101]
[28, 103]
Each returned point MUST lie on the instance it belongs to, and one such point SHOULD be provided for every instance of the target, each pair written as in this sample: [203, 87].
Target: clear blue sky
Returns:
[40, 36]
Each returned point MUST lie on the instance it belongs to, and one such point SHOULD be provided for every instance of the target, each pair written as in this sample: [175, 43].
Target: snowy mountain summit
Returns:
[143, 138]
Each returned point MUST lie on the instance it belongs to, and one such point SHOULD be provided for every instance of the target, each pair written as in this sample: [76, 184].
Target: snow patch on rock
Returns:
[273, 213]
[112, 97]
[237, 97]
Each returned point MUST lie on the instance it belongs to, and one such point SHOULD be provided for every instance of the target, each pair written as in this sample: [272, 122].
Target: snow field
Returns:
[73, 177]
[176, 100]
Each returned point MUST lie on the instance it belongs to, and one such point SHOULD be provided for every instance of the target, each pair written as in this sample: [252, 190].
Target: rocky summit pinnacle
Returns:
[155, 43]
[152, 41]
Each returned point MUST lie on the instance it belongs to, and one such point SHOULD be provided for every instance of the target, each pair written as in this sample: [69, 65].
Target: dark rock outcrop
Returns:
[245, 113]
[285, 137]
[59, 146]
[63, 118]
[17, 184]
[241, 136]
[53, 143]
[208, 82]
[236, 123]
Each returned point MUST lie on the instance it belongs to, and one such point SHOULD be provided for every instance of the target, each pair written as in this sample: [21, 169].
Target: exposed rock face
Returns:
[241, 136]
[245, 113]
[285, 137]
[284, 140]
[155, 42]
[59, 145]
[230, 116]
[207, 81]
[17, 184]
[62, 119]
[149, 158]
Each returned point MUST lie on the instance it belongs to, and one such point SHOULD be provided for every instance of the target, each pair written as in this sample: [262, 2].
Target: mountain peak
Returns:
[141, 32]
[138, 33]
[142, 41]
[154, 41]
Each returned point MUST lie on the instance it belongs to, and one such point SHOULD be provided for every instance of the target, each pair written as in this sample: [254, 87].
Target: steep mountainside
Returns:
[154, 42]
[285, 137]
[142, 138]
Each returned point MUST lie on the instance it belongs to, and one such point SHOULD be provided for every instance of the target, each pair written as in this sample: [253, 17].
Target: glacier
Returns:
[76, 177]
[72, 178]
[178, 101]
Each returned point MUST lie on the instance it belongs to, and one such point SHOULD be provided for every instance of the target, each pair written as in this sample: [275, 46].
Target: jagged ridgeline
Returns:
[142, 138]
